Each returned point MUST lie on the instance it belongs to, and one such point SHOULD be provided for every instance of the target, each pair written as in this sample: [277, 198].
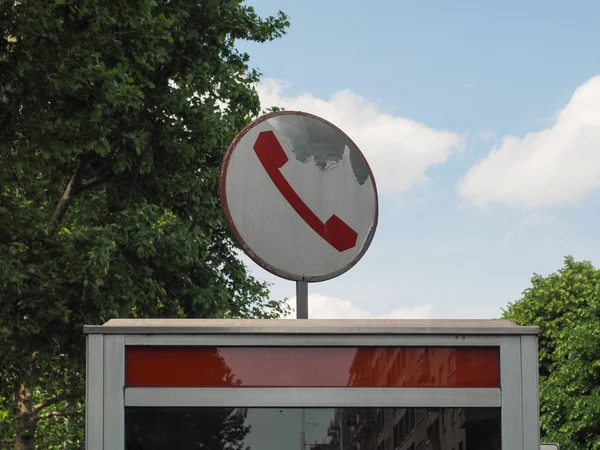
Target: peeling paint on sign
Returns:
[319, 142]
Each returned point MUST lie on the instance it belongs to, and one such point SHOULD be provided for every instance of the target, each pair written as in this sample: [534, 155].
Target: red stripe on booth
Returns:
[309, 367]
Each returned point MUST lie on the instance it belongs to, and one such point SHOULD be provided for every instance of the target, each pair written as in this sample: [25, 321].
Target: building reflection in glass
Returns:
[425, 367]
[419, 429]
[312, 429]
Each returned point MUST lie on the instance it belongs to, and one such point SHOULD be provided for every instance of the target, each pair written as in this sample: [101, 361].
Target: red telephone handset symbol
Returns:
[272, 156]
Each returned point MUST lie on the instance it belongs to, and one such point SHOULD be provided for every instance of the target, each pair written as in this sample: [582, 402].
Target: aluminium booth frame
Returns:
[107, 394]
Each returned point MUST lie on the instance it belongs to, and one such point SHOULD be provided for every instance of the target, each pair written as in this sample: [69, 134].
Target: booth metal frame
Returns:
[107, 394]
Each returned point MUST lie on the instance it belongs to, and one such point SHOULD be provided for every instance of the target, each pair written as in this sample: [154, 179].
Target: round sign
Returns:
[299, 196]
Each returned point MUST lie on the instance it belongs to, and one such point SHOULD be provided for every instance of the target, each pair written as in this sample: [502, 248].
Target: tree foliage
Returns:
[566, 307]
[114, 117]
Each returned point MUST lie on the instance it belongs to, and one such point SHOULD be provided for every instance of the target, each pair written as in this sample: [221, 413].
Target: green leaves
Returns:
[566, 307]
[111, 123]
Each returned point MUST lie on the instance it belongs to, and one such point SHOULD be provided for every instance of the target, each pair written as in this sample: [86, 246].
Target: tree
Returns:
[114, 118]
[566, 307]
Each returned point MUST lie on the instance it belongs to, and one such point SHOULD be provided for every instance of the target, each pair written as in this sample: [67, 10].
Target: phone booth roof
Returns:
[466, 327]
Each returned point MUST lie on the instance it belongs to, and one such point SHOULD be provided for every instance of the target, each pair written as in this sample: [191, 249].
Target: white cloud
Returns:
[555, 166]
[399, 150]
[323, 307]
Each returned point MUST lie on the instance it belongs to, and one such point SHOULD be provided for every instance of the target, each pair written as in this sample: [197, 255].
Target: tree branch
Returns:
[68, 195]
[51, 414]
[76, 187]
[45, 404]
[53, 401]
[89, 184]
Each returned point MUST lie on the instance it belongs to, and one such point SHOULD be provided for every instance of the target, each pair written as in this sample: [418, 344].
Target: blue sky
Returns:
[456, 238]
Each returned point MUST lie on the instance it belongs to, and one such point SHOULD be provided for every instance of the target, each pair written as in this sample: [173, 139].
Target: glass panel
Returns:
[312, 366]
[312, 429]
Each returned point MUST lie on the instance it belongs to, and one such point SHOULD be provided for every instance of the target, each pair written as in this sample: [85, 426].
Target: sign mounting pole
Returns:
[299, 198]
[301, 300]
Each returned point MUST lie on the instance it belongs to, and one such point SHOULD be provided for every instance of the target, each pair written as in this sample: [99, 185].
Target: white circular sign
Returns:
[299, 196]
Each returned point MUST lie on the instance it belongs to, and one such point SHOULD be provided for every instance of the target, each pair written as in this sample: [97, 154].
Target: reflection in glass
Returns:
[192, 366]
[312, 428]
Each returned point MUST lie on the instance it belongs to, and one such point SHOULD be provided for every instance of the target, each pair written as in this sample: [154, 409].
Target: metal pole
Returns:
[341, 425]
[303, 432]
[302, 313]
[301, 300]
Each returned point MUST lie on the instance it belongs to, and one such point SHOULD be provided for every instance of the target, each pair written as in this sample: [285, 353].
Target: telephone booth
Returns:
[312, 385]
